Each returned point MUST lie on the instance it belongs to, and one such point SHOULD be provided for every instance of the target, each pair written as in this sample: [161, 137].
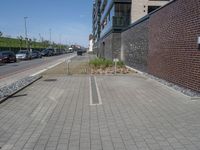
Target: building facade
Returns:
[91, 41]
[111, 17]
[96, 16]
[140, 8]
[115, 15]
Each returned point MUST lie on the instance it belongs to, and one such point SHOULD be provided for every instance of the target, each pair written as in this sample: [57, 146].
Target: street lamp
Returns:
[50, 36]
[25, 18]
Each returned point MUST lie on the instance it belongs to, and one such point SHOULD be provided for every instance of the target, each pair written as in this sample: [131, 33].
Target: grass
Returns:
[104, 63]
[15, 44]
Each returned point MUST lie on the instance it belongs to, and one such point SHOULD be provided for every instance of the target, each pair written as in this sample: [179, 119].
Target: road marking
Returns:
[52, 66]
[95, 96]
[39, 72]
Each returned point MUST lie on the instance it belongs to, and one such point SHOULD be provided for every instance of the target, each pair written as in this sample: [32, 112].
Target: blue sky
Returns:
[69, 20]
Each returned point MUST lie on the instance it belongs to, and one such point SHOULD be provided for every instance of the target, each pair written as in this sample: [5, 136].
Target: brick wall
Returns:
[134, 46]
[173, 50]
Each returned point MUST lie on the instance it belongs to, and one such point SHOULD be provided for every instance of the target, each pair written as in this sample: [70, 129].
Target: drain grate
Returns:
[50, 80]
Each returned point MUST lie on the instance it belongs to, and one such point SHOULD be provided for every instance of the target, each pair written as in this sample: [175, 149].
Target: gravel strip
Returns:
[16, 86]
[176, 87]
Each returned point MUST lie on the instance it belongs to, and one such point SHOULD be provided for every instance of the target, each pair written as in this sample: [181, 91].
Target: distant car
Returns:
[7, 57]
[36, 54]
[47, 52]
[70, 50]
[23, 55]
[79, 52]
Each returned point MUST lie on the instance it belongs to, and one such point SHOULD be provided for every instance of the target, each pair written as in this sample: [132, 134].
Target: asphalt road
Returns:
[13, 68]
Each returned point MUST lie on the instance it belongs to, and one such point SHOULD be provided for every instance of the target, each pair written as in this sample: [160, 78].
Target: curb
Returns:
[33, 75]
[52, 66]
[170, 88]
[20, 89]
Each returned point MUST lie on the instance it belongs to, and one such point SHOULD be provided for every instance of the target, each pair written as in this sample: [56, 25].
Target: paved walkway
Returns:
[136, 114]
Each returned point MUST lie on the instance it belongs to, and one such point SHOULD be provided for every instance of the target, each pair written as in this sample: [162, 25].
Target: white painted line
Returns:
[39, 72]
[55, 65]
[98, 92]
[90, 90]
[60, 61]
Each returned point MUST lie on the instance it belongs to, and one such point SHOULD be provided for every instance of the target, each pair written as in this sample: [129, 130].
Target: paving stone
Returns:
[136, 114]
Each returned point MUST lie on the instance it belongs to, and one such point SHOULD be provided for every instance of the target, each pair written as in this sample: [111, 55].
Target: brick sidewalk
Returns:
[136, 114]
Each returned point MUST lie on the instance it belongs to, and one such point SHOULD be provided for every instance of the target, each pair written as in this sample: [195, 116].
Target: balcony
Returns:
[120, 22]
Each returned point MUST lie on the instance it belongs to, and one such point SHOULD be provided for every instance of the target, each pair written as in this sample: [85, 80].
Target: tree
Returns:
[20, 38]
[34, 42]
[1, 34]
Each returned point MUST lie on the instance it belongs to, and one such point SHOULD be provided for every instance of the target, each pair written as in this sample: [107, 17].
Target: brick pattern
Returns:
[173, 50]
[134, 46]
[136, 114]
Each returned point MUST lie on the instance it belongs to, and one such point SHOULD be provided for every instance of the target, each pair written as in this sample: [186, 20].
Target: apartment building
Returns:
[115, 15]
[111, 17]
[96, 16]
[140, 8]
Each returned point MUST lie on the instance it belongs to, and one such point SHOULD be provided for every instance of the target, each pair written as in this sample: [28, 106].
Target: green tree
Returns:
[20, 38]
[1, 34]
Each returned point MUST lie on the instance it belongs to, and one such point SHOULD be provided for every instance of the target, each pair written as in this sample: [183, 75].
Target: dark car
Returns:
[7, 57]
[36, 54]
[79, 52]
[47, 52]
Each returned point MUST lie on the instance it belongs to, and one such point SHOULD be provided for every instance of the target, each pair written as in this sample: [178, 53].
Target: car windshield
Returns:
[5, 53]
[45, 50]
[22, 52]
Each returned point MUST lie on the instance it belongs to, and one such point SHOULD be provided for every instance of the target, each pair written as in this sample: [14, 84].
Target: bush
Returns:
[104, 63]
[120, 64]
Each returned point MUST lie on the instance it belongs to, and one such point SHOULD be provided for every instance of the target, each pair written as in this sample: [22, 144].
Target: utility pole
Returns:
[50, 36]
[60, 41]
[25, 18]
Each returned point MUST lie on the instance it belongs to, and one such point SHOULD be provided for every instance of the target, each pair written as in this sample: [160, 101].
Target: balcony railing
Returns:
[121, 22]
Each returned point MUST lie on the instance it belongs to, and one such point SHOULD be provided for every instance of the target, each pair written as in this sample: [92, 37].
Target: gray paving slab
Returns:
[136, 114]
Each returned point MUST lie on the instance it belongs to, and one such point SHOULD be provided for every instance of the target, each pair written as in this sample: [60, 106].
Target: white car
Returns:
[23, 55]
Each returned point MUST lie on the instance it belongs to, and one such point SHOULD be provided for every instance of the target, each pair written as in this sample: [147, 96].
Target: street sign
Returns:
[68, 60]
[116, 60]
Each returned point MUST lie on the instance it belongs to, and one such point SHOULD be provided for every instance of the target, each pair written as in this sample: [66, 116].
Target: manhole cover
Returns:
[50, 80]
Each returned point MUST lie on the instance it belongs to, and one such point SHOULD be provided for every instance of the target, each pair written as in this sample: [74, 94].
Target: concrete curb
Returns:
[37, 75]
[20, 89]
[52, 66]
[171, 88]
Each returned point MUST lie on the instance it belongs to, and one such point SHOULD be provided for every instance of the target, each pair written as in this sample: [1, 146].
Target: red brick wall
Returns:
[173, 51]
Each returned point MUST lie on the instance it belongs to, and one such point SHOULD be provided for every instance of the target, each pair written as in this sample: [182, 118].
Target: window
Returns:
[152, 8]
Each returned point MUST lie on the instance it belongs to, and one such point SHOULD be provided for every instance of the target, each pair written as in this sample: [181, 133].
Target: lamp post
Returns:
[50, 36]
[25, 20]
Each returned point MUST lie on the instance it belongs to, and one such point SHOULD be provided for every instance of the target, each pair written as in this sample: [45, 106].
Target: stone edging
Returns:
[9, 90]
[186, 92]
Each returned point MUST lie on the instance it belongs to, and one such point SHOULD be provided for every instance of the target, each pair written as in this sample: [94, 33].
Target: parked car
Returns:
[70, 50]
[7, 57]
[79, 52]
[23, 55]
[36, 54]
[47, 52]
